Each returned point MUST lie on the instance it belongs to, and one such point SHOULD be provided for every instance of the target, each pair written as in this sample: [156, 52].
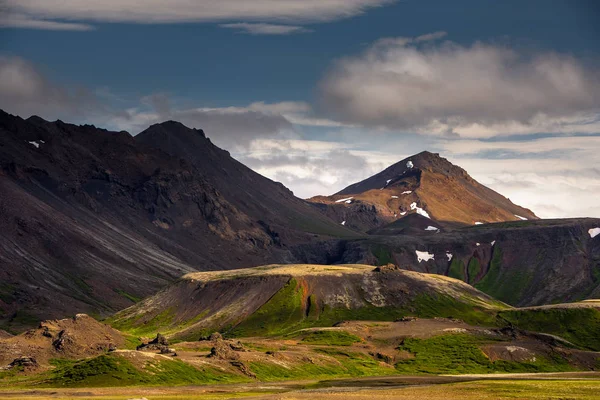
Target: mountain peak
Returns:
[423, 183]
[173, 127]
[427, 160]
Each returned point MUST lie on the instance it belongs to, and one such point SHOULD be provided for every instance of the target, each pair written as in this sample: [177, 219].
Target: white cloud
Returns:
[542, 145]
[556, 177]
[228, 127]
[25, 90]
[265, 29]
[174, 11]
[446, 88]
[310, 167]
[12, 20]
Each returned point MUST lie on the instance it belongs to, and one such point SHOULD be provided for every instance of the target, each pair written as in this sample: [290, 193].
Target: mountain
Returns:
[426, 184]
[262, 199]
[94, 220]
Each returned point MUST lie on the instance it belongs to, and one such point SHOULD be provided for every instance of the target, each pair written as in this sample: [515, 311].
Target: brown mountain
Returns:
[92, 220]
[424, 184]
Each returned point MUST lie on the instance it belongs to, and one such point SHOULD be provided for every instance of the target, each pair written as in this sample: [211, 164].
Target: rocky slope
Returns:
[424, 184]
[285, 216]
[93, 220]
[70, 338]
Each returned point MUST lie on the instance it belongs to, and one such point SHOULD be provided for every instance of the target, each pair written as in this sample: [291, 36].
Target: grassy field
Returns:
[442, 388]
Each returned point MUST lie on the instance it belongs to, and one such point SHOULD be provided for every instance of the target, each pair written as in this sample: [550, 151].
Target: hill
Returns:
[424, 184]
[276, 299]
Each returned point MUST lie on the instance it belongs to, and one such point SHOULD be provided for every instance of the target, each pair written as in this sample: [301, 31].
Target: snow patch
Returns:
[413, 206]
[478, 223]
[521, 218]
[493, 242]
[594, 232]
[407, 192]
[424, 256]
[478, 244]
[387, 182]
[432, 228]
[409, 164]
[346, 200]
[343, 222]
[394, 197]
[36, 144]
[449, 255]
[403, 213]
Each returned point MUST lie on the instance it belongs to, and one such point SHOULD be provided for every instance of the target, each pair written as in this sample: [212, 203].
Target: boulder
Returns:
[24, 362]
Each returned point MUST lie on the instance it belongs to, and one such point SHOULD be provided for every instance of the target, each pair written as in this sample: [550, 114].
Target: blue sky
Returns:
[319, 94]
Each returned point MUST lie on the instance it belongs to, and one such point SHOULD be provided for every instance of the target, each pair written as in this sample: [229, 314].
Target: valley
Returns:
[160, 266]
[308, 326]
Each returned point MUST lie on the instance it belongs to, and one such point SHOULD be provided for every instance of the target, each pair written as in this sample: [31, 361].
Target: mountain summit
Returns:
[424, 184]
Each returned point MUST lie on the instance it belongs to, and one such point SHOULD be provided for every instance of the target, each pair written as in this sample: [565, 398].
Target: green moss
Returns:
[132, 342]
[266, 371]
[138, 327]
[312, 307]
[128, 296]
[8, 293]
[22, 319]
[278, 315]
[109, 370]
[330, 338]
[382, 254]
[580, 326]
[473, 269]
[313, 225]
[344, 364]
[457, 269]
[10, 373]
[427, 306]
[505, 284]
[284, 313]
[461, 354]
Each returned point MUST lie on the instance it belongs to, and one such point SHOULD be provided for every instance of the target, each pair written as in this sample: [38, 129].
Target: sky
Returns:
[319, 94]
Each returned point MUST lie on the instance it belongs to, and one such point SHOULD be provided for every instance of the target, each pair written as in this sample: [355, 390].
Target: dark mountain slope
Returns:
[92, 220]
[424, 183]
[259, 197]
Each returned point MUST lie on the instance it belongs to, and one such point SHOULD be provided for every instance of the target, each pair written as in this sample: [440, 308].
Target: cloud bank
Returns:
[446, 88]
[25, 90]
[45, 14]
